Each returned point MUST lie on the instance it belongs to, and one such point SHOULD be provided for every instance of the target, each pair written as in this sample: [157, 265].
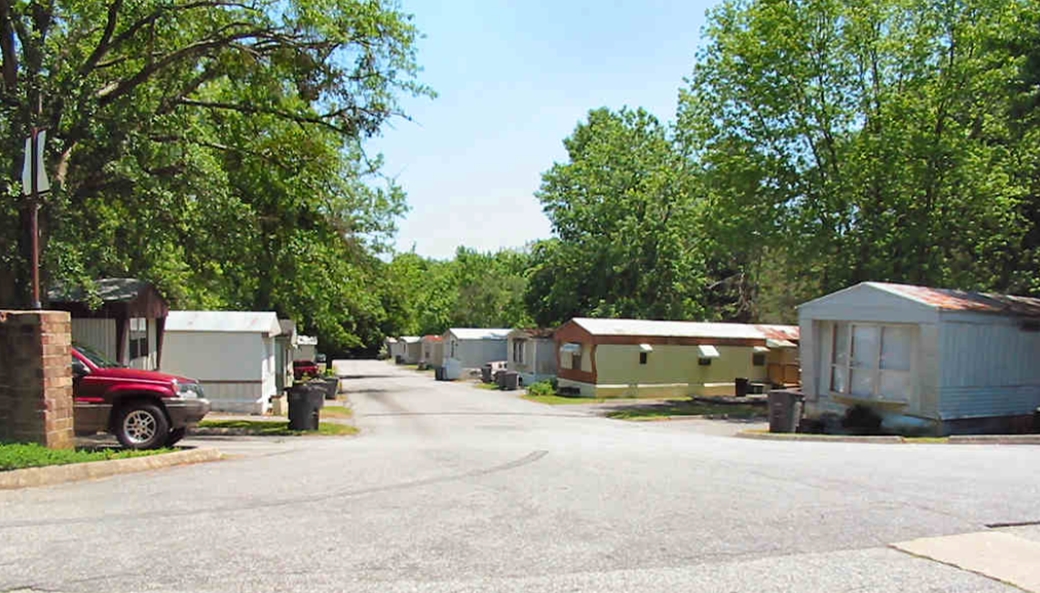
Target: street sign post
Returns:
[35, 182]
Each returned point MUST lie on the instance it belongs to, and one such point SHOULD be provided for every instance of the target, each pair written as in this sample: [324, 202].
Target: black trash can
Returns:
[510, 380]
[438, 373]
[305, 403]
[741, 386]
[785, 410]
[485, 373]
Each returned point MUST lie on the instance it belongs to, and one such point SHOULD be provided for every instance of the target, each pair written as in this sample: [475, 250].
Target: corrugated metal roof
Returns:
[109, 290]
[264, 322]
[431, 338]
[682, 329]
[474, 333]
[410, 339]
[962, 300]
[780, 332]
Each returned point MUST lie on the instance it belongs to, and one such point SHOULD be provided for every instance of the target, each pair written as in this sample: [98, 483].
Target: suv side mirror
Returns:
[79, 369]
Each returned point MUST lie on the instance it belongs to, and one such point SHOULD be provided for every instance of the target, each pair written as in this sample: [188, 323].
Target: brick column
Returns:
[36, 378]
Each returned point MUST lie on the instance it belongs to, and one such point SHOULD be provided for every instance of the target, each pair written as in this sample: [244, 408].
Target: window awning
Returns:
[761, 349]
[780, 343]
[707, 351]
[570, 348]
[646, 348]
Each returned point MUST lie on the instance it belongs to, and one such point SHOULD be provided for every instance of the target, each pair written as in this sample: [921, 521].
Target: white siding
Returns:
[988, 368]
[99, 334]
[235, 369]
[472, 354]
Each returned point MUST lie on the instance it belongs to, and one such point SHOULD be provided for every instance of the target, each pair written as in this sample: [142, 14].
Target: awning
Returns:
[780, 343]
[646, 348]
[570, 348]
[707, 351]
[761, 349]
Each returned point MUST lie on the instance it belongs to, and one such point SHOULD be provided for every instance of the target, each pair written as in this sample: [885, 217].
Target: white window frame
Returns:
[519, 346]
[875, 370]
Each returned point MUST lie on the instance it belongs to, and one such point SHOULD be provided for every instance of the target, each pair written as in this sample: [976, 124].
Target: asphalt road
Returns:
[453, 488]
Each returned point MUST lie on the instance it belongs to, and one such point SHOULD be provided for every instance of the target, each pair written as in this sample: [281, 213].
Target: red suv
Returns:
[301, 368]
[143, 409]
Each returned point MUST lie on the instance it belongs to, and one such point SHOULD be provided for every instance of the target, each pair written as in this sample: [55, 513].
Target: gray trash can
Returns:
[510, 380]
[305, 403]
[438, 373]
[485, 373]
[785, 410]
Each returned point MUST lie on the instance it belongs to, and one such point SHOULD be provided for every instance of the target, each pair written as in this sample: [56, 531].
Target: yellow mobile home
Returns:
[637, 358]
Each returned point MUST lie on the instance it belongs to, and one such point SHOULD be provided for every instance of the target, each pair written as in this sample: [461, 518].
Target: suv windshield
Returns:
[96, 357]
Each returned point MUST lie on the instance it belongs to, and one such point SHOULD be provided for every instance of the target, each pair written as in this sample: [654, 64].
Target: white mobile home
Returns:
[410, 349]
[307, 348]
[925, 360]
[532, 354]
[468, 349]
[231, 353]
[286, 344]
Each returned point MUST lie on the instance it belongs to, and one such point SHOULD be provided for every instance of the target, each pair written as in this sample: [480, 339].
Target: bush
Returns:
[542, 388]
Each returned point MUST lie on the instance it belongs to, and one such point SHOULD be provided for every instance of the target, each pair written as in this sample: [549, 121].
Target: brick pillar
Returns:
[36, 378]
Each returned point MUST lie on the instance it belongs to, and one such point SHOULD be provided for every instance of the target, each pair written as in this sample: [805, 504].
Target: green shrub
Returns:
[542, 388]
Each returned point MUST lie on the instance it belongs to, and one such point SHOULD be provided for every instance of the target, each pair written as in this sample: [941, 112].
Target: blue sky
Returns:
[513, 80]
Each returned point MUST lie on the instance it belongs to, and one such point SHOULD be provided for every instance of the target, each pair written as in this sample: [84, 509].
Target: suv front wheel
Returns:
[141, 425]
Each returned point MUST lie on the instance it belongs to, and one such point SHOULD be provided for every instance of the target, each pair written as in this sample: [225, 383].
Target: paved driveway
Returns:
[453, 488]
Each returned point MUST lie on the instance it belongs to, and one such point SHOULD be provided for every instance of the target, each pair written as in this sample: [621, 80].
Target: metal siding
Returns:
[988, 369]
[99, 334]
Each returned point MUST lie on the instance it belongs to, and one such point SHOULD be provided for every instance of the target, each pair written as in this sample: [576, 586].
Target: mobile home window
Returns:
[576, 361]
[518, 351]
[870, 361]
[138, 337]
[704, 362]
[642, 357]
[758, 359]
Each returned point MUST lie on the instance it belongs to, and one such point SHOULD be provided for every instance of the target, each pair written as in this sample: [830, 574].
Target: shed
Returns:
[639, 358]
[410, 349]
[231, 353]
[468, 349]
[926, 360]
[127, 324]
[432, 351]
[532, 354]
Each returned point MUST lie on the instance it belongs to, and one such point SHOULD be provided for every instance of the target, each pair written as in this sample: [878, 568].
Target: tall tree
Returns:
[868, 139]
[622, 209]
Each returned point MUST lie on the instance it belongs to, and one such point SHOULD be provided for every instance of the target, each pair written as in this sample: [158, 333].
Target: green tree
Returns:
[868, 141]
[622, 210]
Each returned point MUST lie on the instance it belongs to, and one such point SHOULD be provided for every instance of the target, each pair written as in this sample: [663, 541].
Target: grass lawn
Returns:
[268, 428]
[21, 455]
[562, 400]
[488, 386]
[664, 409]
[336, 412]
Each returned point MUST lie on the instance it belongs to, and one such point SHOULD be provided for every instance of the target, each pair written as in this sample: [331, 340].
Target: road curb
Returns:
[979, 439]
[996, 439]
[790, 436]
[75, 472]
